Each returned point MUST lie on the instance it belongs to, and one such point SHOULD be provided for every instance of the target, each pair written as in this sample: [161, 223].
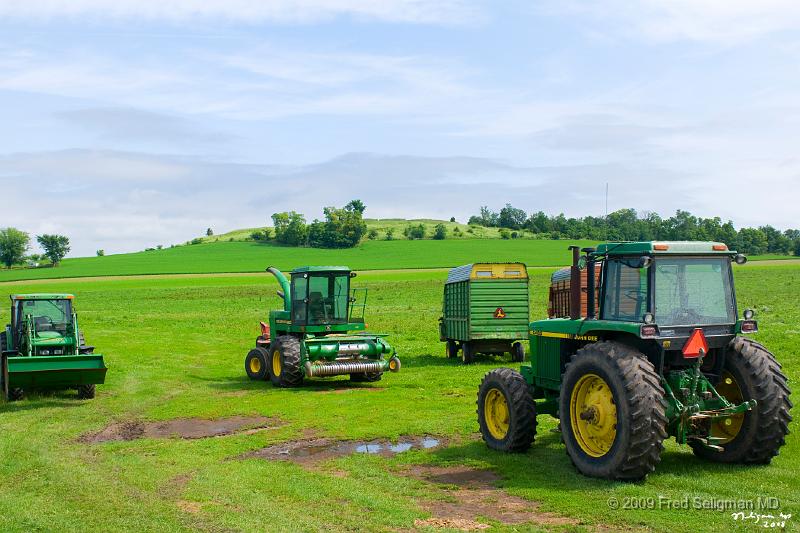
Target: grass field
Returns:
[175, 348]
[255, 257]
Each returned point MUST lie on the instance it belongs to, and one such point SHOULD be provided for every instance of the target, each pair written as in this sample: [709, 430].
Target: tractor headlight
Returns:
[748, 314]
[649, 318]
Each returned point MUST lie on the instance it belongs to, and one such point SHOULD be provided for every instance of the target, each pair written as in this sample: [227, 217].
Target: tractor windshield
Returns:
[321, 299]
[47, 315]
[693, 291]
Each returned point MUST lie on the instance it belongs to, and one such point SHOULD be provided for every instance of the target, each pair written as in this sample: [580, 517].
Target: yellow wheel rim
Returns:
[495, 412]
[276, 363]
[593, 415]
[255, 365]
[728, 428]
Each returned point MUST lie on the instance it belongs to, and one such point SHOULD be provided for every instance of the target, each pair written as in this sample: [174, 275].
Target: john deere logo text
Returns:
[499, 313]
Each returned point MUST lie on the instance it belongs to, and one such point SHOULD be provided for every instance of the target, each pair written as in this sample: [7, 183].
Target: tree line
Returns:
[14, 245]
[629, 225]
[342, 228]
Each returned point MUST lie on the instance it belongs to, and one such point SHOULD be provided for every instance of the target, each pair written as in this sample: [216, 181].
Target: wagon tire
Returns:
[452, 349]
[467, 353]
[284, 362]
[612, 412]
[255, 364]
[750, 372]
[86, 392]
[506, 411]
[517, 352]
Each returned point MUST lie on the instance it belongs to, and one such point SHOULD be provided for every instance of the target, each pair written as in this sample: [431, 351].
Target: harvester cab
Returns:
[43, 348]
[643, 341]
[319, 332]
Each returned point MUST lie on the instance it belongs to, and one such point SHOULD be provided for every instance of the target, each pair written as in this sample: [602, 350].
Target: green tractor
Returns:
[43, 348]
[644, 342]
[319, 332]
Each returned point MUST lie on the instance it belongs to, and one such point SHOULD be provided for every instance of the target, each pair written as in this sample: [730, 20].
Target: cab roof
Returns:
[43, 296]
[300, 270]
[664, 247]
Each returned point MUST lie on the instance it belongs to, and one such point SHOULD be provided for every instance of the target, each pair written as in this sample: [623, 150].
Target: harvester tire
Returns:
[506, 411]
[366, 377]
[517, 352]
[15, 394]
[753, 373]
[467, 353]
[612, 412]
[284, 362]
[452, 349]
[86, 392]
[255, 364]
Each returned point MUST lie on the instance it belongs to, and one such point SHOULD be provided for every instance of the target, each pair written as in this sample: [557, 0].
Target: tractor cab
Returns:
[320, 295]
[42, 324]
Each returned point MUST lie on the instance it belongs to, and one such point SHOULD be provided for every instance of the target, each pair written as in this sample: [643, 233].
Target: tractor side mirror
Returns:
[644, 261]
[353, 274]
[740, 259]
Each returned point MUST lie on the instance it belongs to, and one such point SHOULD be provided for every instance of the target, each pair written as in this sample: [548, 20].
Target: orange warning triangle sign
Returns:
[499, 313]
[696, 342]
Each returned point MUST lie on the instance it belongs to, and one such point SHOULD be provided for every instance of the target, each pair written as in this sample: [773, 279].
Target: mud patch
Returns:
[315, 450]
[180, 428]
[472, 496]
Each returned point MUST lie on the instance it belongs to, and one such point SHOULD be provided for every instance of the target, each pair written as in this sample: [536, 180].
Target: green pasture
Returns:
[255, 257]
[175, 348]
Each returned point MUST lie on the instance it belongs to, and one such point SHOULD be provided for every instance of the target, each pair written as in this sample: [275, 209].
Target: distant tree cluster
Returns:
[342, 227]
[628, 225]
[15, 243]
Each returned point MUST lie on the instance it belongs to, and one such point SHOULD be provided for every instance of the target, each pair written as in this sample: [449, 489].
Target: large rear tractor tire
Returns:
[756, 436]
[467, 353]
[517, 352]
[612, 412]
[506, 411]
[284, 362]
[452, 349]
[86, 392]
[255, 364]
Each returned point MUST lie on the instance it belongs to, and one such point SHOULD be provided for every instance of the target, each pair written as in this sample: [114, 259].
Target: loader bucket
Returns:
[54, 372]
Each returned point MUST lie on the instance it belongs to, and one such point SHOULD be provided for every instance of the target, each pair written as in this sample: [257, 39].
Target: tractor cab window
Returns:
[625, 291]
[46, 315]
[693, 291]
[320, 299]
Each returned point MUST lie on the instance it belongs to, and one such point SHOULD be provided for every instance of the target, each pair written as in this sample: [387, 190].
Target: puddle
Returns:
[180, 428]
[312, 450]
[472, 495]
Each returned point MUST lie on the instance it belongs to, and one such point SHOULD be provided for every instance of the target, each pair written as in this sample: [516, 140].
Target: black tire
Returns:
[284, 368]
[255, 364]
[467, 354]
[15, 394]
[366, 377]
[517, 414]
[517, 352]
[11, 395]
[452, 349]
[628, 384]
[757, 375]
[86, 392]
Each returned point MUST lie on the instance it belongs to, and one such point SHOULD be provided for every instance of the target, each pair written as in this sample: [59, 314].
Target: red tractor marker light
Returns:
[499, 313]
[695, 345]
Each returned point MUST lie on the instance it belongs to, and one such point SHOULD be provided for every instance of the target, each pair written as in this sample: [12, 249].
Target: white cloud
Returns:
[717, 21]
[247, 11]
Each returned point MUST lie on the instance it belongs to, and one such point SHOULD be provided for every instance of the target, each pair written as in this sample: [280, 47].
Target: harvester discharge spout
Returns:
[286, 292]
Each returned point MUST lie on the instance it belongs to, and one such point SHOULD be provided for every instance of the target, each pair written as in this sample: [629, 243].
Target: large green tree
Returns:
[55, 247]
[342, 228]
[13, 245]
[290, 228]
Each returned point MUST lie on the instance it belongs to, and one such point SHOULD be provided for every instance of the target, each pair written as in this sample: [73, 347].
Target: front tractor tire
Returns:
[756, 436]
[506, 411]
[86, 392]
[255, 364]
[284, 362]
[612, 412]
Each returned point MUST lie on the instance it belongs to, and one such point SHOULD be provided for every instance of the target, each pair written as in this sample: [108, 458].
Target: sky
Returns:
[128, 124]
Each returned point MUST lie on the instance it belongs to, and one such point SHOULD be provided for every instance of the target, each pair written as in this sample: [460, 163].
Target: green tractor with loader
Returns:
[320, 332]
[644, 342]
[43, 348]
